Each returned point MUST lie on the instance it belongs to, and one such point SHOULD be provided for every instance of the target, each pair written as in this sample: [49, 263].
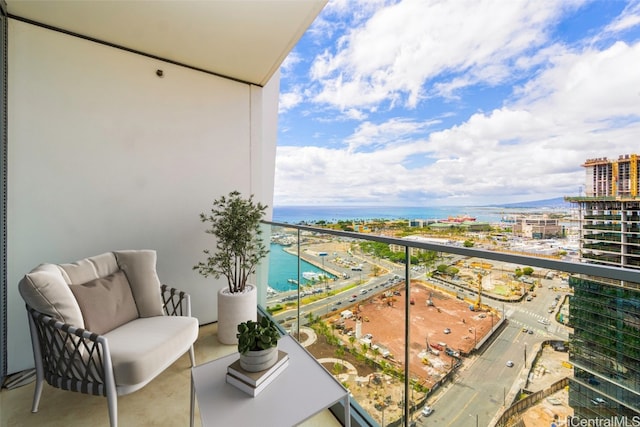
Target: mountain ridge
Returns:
[556, 202]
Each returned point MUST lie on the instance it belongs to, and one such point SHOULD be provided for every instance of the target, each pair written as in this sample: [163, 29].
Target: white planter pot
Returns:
[256, 361]
[234, 309]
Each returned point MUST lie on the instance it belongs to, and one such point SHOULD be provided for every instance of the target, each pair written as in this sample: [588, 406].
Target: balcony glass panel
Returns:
[401, 321]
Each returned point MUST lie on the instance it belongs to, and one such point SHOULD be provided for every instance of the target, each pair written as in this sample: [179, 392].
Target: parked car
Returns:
[447, 330]
[510, 363]
[426, 411]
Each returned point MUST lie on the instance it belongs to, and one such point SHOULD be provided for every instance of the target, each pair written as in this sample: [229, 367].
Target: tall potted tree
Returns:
[235, 222]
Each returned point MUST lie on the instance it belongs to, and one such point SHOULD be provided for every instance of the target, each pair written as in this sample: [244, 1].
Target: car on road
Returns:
[530, 331]
[543, 321]
[352, 300]
[510, 363]
[525, 330]
[426, 411]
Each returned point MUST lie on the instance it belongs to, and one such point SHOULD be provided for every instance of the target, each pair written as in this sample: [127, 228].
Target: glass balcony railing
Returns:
[453, 328]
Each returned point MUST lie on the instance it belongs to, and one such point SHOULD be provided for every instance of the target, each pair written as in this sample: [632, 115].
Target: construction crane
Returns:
[478, 304]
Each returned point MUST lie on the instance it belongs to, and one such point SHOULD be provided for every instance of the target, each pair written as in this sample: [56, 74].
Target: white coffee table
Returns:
[301, 391]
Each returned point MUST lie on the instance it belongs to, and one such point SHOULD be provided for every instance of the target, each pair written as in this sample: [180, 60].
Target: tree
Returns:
[375, 269]
[468, 243]
[527, 271]
[442, 268]
[452, 271]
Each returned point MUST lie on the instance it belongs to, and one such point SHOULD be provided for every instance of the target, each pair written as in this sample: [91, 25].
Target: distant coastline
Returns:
[334, 214]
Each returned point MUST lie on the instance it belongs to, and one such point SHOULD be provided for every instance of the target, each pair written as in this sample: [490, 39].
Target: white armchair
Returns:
[105, 325]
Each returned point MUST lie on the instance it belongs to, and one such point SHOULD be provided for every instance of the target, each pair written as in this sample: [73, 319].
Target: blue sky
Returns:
[440, 103]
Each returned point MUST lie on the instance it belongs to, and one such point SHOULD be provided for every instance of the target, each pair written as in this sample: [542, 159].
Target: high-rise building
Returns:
[605, 314]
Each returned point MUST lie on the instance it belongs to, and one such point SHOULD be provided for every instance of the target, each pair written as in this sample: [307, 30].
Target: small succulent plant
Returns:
[255, 336]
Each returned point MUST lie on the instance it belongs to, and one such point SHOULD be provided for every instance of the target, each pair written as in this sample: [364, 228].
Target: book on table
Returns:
[253, 383]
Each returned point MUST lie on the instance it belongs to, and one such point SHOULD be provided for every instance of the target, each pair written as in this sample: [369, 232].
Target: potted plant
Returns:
[235, 222]
[258, 344]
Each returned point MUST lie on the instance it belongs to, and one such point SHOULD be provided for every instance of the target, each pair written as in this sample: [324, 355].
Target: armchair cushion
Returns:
[89, 268]
[106, 303]
[45, 290]
[140, 268]
[159, 340]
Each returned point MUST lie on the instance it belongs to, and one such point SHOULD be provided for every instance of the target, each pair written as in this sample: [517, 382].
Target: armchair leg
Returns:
[192, 356]
[37, 392]
[112, 402]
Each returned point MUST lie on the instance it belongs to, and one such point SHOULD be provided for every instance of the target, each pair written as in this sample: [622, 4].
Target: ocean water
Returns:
[309, 214]
[284, 266]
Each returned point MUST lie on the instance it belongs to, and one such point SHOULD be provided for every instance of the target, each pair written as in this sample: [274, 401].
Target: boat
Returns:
[458, 219]
[283, 239]
[310, 275]
[271, 291]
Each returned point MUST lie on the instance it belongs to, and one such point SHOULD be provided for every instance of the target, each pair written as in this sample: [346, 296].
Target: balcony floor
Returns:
[163, 402]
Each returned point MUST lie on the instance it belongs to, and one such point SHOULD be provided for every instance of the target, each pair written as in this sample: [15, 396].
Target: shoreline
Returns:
[312, 262]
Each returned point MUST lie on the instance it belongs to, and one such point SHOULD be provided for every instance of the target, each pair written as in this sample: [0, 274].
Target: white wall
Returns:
[104, 155]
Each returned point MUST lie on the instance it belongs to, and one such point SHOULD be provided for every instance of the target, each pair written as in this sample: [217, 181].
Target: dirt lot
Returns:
[383, 317]
[548, 369]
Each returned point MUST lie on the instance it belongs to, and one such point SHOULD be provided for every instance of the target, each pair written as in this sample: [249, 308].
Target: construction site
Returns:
[442, 330]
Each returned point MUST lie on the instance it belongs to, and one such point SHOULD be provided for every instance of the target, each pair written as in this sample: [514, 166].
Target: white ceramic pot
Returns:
[234, 309]
[256, 361]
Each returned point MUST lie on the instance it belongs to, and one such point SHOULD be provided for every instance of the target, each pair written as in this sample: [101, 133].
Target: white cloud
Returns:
[391, 132]
[289, 100]
[407, 45]
[573, 103]
[629, 18]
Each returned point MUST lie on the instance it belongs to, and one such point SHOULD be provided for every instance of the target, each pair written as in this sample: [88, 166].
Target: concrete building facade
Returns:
[537, 227]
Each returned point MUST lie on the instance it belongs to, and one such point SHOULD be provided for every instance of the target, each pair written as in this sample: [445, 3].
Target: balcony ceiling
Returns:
[245, 40]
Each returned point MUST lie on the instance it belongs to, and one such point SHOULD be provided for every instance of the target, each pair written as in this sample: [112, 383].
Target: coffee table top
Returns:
[302, 390]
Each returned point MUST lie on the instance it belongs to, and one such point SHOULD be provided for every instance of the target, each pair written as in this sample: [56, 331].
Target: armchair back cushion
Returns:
[140, 268]
[47, 289]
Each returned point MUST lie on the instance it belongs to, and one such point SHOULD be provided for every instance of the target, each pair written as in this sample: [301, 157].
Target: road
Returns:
[485, 383]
